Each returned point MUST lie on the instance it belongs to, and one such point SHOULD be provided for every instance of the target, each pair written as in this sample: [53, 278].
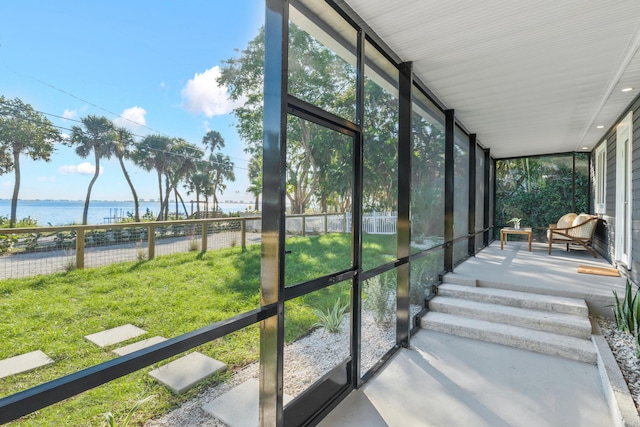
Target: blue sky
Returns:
[152, 62]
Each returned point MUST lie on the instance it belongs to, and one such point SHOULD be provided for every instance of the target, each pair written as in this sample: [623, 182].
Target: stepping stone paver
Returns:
[182, 374]
[115, 335]
[239, 406]
[23, 363]
[121, 351]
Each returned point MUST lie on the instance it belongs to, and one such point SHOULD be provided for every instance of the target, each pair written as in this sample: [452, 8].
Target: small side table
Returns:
[509, 230]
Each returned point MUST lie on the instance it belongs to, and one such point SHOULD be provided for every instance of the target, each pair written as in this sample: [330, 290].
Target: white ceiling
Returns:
[528, 77]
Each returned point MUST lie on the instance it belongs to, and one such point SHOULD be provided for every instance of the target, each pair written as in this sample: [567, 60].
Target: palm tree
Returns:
[98, 136]
[22, 130]
[183, 158]
[123, 144]
[152, 154]
[197, 182]
[222, 168]
[213, 141]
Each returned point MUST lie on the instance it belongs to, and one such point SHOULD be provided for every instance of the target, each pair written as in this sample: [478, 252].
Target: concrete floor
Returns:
[444, 380]
[536, 271]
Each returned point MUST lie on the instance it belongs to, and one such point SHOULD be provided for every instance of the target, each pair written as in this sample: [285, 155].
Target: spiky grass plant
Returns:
[627, 312]
[111, 420]
[331, 319]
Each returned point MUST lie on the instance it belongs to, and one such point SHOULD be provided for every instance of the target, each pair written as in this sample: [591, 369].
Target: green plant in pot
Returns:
[515, 221]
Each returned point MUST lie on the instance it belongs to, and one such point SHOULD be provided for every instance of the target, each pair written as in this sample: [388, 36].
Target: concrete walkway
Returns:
[444, 380]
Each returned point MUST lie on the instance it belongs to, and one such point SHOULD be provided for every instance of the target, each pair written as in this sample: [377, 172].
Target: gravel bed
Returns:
[305, 361]
[623, 348]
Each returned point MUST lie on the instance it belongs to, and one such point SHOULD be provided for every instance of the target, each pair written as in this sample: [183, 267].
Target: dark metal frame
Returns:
[448, 188]
[472, 195]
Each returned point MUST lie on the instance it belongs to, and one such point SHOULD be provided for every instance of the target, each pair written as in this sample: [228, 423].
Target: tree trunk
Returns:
[16, 188]
[159, 218]
[93, 180]
[136, 204]
[257, 200]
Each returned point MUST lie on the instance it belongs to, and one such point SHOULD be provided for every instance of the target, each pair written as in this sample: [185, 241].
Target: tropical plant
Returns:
[23, 131]
[111, 421]
[122, 149]
[331, 319]
[152, 154]
[98, 136]
[627, 312]
[181, 161]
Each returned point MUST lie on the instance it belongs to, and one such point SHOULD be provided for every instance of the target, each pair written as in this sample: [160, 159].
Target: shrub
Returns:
[7, 242]
[31, 242]
[379, 298]
[65, 240]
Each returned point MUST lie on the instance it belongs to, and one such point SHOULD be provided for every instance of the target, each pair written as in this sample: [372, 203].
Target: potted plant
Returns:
[516, 222]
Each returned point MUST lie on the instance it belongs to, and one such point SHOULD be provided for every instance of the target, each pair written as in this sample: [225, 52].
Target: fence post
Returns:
[205, 233]
[243, 234]
[304, 225]
[151, 241]
[80, 249]
[326, 220]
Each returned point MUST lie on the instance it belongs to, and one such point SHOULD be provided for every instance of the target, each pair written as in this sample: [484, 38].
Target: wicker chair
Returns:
[573, 229]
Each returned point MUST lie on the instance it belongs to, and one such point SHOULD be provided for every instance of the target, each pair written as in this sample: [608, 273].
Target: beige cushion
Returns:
[586, 230]
[566, 220]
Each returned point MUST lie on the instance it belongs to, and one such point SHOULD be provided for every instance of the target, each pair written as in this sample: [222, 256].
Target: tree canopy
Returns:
[23, 131]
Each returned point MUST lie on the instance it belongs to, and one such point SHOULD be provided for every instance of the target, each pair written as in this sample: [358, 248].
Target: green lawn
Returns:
[168, 296]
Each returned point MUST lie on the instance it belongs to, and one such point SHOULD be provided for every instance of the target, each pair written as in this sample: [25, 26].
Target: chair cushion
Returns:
[557, 236]
[585, 231]
[566, 220]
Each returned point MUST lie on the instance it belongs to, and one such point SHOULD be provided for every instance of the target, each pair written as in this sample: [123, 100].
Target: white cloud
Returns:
[203, 95]
[132, 118]
[84, 168]
[69, 114]
[162, 85]
[46, 178]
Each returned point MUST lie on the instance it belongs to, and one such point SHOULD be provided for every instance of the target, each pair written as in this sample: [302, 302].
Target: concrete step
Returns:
[558, 323]
[514, 336]
[527, 300]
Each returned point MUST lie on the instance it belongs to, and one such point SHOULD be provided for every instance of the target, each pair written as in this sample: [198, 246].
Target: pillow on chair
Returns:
[567, 220]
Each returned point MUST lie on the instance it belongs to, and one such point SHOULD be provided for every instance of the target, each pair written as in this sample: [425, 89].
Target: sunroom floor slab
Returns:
[445, 380]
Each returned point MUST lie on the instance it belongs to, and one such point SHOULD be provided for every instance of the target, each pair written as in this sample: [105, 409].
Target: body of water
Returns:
[66, 212]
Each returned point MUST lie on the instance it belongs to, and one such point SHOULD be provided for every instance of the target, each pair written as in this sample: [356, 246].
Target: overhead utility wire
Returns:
[103, 109]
